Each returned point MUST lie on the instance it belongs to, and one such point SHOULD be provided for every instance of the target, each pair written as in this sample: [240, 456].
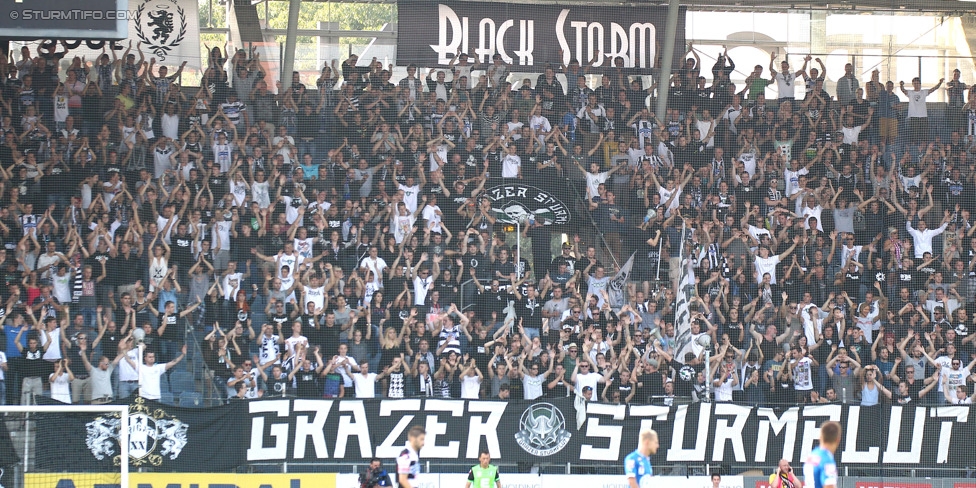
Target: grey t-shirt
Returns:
[101, 382]
[844, 219]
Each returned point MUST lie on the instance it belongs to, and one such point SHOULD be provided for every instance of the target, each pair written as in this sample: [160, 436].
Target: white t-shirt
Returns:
[851, 134]
[470, 387]
[666, 194]
[952, 378]
[588, 379]
[792, 179]
[345, 369]
[53, 351]
[420, 289]
[803, 374]
[365, 385]
[723, 392]
[916, 103]
[377, 266]
[410, 196]
[786, 84]
[232, 282]
[221, 230]
[510, 166]
[532, 386]
[767, 265]
[812, 212]
[292, 341]
[126, 371]
[290, 260]
[269, 348]
[432, 217]
[593, 181]
[149, 381]
[60, 388]
[304, 247]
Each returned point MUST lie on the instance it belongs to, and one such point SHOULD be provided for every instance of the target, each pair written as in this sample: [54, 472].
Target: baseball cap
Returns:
[572, 345]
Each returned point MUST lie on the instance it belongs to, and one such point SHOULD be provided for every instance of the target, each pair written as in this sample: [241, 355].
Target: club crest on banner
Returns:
[542, 430]
[161, 25]
[153, 436]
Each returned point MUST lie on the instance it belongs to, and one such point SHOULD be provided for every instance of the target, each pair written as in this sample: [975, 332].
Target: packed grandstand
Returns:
[463, 232]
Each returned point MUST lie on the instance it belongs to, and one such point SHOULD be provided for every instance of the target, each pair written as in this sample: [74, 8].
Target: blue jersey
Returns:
[821, 468]
[638, 466]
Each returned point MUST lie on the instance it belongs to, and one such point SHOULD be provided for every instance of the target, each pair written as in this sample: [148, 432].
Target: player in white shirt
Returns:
[408, 462]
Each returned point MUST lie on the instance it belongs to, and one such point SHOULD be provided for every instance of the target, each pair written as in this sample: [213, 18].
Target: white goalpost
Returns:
[116, 418]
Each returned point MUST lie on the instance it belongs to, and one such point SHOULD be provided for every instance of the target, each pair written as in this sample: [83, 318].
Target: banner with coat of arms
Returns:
[161, 437]
[169, 30]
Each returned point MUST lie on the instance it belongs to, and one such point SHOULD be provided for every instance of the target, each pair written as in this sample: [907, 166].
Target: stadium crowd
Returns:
[341, 241]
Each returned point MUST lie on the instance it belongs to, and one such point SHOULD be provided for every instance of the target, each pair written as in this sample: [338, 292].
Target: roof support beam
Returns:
[667, 58]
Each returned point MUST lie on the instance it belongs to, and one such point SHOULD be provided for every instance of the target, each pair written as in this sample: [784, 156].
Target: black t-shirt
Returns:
[493, 301]
[649, 384]
[308, 385]
[530, 311]
[173, 330]
[479, 262]
[686, 379]
[182, 250]
[311, 330]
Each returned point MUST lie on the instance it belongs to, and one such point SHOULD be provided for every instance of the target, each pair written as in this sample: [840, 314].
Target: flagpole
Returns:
[518, 248]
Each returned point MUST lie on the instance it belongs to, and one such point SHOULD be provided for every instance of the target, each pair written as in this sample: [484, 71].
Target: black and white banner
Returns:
[294, 430]
[528, 36]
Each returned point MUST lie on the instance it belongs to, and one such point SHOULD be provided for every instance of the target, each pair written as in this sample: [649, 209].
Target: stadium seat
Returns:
[181, 381]
[191, 399]
[166, 398]
[164, 384]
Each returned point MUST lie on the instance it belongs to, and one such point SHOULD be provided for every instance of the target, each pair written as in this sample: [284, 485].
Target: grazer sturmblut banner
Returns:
[528, 36]
[294, 430]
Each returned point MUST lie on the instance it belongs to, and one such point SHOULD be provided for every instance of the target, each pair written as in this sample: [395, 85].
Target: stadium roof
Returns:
[945, 6]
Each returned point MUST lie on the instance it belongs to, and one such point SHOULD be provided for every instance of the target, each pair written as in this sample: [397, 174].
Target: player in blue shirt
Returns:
[820, 470]
[637, 464]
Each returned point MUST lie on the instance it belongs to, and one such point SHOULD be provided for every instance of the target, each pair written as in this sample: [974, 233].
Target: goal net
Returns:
[33, 454]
